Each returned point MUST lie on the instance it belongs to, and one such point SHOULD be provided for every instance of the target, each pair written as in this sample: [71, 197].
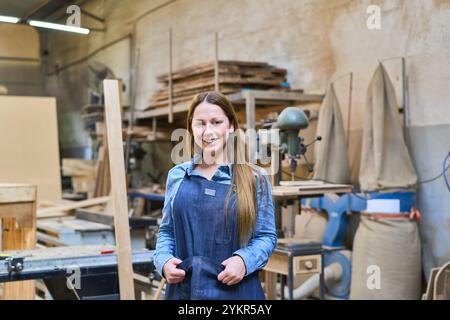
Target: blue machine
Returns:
[338, 206]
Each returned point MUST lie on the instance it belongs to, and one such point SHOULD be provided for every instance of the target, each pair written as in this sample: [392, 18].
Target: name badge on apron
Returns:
[210, 192]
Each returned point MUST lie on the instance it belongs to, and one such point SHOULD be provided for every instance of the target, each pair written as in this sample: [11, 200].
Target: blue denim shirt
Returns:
[261, 245]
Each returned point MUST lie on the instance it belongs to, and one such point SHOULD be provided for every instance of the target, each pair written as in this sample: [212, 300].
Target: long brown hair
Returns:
[243, 173]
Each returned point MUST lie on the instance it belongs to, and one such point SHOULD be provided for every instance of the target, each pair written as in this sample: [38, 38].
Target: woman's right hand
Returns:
[172, 273]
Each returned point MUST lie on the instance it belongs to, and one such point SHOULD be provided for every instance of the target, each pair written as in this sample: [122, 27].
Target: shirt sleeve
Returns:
[165, 243]
[263, 242]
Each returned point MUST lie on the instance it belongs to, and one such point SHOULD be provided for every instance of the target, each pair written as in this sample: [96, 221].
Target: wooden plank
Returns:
[193, 70]
[295, 191]
[273, 95]
[118, 187]
[254, 74]
[270, 285]
[190, 90]
[99, 171]
[99, 217]
[209, 66]
[292, 96]
[277, 263]
[177, 108]
[106, 183]
[139, 209]
[70, 224]
[46, 240]
[29, 144]
[170, 79]
[64, 252]
[303, 183]
[188, 95]
[83, 184]
[78, 167]
[216, 62]
[11, 192]
[250, 121]
[102, 178]
[15, 238]
[72, 206]
[159, 289]
[225, 82]
[21, 212]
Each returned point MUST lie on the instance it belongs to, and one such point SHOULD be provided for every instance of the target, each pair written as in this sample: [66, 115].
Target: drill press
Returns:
[290, 121]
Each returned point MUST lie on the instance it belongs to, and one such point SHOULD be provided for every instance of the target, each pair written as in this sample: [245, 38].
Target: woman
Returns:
[218, 227]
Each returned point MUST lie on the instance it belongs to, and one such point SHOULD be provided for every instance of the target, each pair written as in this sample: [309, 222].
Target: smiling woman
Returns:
[218, 227]
[210, 129]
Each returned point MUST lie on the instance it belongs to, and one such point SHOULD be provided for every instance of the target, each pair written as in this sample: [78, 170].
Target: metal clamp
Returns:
[14, 264]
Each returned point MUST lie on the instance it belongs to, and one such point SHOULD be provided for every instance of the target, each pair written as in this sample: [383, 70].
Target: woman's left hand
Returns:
[234, 271]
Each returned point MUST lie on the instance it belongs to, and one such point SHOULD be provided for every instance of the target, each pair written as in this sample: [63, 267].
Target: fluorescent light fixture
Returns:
[9, 19]
[56, 26]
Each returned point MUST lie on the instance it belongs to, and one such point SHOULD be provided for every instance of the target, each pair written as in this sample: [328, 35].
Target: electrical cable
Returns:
[437, 177]
[444, 170]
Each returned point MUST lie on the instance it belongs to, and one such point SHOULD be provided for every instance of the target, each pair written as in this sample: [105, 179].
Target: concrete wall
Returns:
[316, 40]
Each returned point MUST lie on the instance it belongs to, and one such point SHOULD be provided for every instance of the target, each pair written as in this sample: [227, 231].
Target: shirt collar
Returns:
[228, 168]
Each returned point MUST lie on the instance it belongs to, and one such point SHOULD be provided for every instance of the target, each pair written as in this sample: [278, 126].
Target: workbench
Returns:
[78, 272]
[295, 190]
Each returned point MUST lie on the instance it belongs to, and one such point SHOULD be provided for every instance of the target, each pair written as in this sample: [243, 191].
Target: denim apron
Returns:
[203, 239]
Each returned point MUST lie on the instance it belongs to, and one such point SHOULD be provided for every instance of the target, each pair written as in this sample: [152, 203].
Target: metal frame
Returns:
[33, 268]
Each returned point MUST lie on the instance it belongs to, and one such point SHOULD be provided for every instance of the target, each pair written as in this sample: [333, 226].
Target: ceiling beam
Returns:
[30, 13]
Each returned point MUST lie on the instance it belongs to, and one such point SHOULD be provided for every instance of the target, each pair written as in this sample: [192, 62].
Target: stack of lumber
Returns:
[82, 174]
[91, 114]
[233, 77]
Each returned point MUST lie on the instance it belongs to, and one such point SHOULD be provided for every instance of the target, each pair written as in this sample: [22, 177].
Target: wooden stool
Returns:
[18, 213]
